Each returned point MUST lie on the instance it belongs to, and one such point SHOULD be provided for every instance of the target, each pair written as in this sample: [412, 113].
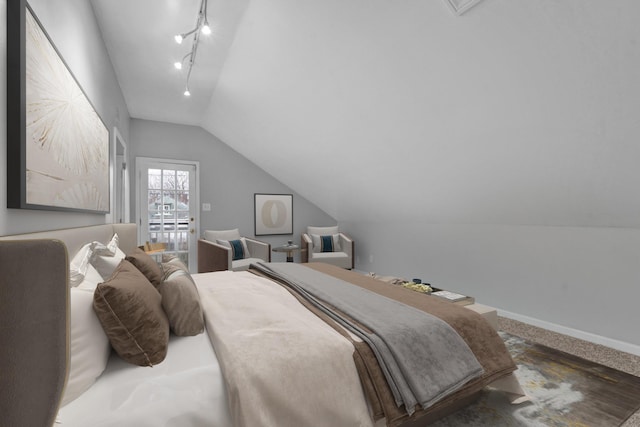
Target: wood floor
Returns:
[597, 353]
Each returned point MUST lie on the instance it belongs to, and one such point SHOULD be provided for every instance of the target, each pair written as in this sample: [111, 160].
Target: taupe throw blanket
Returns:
[422, 357]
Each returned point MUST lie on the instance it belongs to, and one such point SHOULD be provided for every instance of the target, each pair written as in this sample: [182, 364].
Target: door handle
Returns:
[192, 231]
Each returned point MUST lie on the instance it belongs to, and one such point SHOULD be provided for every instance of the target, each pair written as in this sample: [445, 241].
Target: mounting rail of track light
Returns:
[202, 27]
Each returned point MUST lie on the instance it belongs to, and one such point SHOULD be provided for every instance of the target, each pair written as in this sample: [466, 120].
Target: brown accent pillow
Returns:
[130, 311]
[147, 266]
[181, 303]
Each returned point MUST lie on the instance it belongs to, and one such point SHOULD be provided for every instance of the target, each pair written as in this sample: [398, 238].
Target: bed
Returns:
[273, 352]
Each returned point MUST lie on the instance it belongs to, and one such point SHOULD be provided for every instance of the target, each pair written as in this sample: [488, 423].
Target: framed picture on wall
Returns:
[273, 214]
[57, 144]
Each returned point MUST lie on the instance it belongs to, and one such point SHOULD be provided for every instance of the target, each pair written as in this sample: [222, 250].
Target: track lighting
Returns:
[202, 26]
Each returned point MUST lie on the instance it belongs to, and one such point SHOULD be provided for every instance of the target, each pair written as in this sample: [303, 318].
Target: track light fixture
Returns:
[202, 27]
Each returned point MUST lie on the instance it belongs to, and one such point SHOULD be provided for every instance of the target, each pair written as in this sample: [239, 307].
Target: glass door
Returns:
[168, 206]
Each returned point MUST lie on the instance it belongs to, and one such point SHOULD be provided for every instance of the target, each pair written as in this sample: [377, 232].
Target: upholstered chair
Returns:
[328, 245]
[226, 250]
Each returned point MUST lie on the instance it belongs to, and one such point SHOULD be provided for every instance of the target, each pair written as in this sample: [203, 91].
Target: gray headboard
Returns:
[34, 317]
[74, 238]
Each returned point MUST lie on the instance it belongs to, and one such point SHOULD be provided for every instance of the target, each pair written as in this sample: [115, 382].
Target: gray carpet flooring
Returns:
[619, 360]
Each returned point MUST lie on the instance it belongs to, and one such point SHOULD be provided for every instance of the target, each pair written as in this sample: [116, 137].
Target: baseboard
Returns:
[575, 333]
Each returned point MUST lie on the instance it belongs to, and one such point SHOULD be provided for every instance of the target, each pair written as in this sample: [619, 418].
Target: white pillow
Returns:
[109, 249]
[319, 244]
[91, 279]
[89, 346]
[79, 263]
[107, 258]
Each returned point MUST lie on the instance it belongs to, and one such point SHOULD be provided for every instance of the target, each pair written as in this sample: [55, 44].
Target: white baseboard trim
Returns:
[576, 333]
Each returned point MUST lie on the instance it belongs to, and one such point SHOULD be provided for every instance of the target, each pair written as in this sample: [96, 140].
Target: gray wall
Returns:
[228, 180]
[74, 30]
[577, 280]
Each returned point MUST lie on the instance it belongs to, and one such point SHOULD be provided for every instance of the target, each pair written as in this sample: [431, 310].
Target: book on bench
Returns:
[449, 296]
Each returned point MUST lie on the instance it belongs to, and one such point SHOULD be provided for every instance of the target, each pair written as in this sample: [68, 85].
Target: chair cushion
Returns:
[340, 259]
[239, 249]
[213, 235]
[323, 231]
[329, 243]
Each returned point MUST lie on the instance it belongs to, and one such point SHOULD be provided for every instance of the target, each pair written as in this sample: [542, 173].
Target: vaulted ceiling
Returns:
[512, 113]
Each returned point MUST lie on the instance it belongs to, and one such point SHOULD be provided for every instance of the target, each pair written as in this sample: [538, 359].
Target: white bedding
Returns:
[185, 390]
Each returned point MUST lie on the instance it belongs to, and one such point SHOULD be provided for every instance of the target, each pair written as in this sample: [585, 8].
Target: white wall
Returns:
[228, 181]
[73, 29]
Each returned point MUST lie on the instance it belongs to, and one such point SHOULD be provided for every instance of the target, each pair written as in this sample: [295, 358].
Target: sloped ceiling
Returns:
[513, 113]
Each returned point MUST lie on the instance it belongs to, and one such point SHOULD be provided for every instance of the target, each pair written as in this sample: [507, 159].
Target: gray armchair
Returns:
[329, 245]
[227, 250]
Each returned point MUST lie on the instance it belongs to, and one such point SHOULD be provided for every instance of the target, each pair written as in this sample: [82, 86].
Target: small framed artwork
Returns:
[57, 144]
[459, 7]
[273, 214]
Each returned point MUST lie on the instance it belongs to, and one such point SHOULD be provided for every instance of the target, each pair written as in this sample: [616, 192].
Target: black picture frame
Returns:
[57, 144]
[273, 214]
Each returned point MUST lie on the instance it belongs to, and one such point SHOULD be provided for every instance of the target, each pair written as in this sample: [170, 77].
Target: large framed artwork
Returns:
[273, 214]
[57, 144]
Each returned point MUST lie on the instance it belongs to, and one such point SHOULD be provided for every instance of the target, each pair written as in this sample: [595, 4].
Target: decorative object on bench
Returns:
[227, 250]
[328, 245]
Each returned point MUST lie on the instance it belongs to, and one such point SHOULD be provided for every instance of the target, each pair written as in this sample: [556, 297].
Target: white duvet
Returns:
[284, 366]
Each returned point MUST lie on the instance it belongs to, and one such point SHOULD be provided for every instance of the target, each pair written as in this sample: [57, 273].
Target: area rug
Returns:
[565, 391]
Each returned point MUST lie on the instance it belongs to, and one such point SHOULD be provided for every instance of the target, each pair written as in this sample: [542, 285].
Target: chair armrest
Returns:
[259, 249]
[348, 247]
[305, 247]
[213, 257]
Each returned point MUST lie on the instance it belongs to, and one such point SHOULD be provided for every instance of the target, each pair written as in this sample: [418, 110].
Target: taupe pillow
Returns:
[130, 311]
[181, 303]
[171, 263]
[147, 265]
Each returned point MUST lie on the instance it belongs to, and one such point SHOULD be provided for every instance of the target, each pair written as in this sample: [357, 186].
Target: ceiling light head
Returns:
[186, 92]
[178, 38]
[206, 29]
[178, 65]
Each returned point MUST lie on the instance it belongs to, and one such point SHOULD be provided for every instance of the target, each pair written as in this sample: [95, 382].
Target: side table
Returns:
[289, 249]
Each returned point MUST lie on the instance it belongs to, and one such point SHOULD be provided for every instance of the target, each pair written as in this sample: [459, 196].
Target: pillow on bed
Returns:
[239, 249]
[147, 266]
[181, 302]
[131, 314]
[79, 264]
[91, 279]
[89, 347]
[106, 260]
[174, 259]
[329, 243]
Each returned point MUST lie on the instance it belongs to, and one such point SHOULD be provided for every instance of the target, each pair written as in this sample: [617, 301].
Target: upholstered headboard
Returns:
[34, 318]
[34, 330]
[74, 238]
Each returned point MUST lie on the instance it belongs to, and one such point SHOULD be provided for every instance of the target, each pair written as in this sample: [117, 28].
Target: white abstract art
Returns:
[67, 144]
